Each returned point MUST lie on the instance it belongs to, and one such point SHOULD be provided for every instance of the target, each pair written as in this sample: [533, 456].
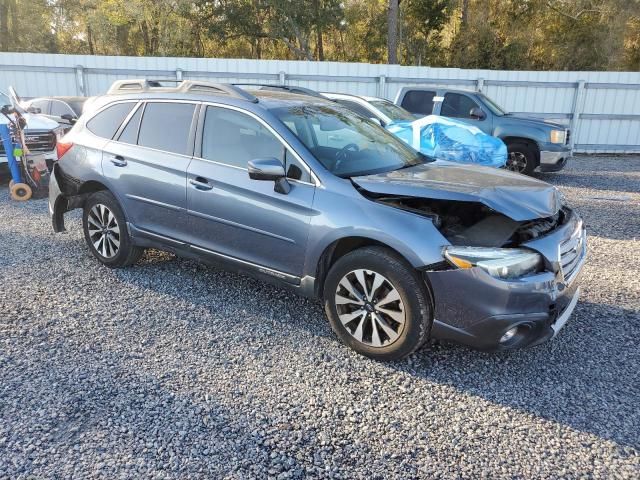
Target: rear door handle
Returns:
[201, 183]
[118, 161]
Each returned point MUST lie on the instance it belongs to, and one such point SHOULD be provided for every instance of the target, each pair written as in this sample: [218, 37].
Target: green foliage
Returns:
[497, 34]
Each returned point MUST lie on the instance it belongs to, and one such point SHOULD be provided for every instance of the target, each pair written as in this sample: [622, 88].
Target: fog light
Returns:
[508, 335]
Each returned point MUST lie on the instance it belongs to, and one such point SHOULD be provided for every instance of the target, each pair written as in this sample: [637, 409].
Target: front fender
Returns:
[539, 135]
[411, 235]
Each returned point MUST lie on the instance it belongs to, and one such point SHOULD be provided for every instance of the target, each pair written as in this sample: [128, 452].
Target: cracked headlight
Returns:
[497, 262]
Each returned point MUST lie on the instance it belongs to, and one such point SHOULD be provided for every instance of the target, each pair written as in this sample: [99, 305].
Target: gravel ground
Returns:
[174, 369]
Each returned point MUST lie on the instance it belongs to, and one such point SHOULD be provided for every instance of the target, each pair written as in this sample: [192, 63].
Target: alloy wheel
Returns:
[104, 230]
[370, 308]
[517, 162]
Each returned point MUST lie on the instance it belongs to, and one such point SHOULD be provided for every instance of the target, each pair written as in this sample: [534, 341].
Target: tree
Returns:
[392, 31]
[422, 25]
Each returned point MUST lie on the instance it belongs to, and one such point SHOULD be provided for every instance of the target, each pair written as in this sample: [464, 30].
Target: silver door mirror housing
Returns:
[265, 169]
[269, 169]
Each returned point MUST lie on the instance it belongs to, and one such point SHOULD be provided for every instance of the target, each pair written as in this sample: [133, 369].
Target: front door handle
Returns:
[201, 183]
[118, 161]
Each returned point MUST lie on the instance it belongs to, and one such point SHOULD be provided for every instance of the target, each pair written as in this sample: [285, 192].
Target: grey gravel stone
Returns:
[172, 369]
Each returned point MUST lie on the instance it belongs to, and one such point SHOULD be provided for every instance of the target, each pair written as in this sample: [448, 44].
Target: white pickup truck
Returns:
[41, 134]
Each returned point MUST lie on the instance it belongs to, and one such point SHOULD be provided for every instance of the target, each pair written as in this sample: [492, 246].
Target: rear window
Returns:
[418, 101]
[106, 123]
[166, 126]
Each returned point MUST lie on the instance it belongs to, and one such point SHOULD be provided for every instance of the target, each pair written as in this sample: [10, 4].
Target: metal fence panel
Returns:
[603, 108]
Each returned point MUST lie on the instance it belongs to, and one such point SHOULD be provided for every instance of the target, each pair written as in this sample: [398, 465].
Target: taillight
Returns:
[62, 148]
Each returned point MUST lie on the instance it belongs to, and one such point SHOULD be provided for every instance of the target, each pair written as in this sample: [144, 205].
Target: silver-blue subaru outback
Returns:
[295, 189]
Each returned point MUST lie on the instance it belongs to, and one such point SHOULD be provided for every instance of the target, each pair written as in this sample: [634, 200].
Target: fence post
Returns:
[480, 84]
[282, 77]
[179, 74]
[381, 88]
[80, 83]
[576, 111]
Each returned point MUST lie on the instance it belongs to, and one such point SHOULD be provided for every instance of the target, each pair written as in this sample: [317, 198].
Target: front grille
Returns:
[567, 140]
[571, 253]
[37, 141]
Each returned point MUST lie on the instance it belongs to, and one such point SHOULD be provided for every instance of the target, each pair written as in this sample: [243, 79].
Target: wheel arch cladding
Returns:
[338, 249]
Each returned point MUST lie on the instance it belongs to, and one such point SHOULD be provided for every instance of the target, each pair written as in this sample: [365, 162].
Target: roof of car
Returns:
[206, 91]
[349, 95]
[62, 98]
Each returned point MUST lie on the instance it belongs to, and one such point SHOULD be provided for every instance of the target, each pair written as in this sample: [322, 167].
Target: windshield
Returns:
[393, 111]
[493, 106]
[345, 143]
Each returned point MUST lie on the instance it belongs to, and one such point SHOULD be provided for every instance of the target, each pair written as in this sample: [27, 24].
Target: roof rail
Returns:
[288, 88]
[196, 86]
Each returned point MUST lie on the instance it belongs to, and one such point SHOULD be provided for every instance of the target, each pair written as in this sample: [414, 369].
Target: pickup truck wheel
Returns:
[105, 231]
[377, 304]
[521, 158]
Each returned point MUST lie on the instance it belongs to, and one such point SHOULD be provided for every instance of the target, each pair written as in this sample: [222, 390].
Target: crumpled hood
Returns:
[516, 196]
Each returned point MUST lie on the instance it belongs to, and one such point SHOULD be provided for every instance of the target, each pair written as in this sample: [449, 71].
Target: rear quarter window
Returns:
[106, 123]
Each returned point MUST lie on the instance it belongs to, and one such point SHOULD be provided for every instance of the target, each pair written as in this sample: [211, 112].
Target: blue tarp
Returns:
[447, 139]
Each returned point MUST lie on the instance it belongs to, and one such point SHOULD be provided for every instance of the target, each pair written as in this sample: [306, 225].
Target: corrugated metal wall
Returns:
[602, 107]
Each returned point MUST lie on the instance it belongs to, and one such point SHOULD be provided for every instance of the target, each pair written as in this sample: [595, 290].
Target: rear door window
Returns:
[166, 126]
[418, 101]
[457, 105]
[106, 123]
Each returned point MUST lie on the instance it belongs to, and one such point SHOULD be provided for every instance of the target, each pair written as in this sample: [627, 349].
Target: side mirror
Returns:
[269, 169]
[34, 110]
[376, 120]
[68, 117]
[477, 113]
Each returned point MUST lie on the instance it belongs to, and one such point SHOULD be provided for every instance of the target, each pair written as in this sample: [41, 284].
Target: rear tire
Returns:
[521, 158]
[377, 304]
[106, 233]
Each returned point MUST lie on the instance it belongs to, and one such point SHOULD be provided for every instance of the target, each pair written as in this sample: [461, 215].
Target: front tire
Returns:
[105, 231]
[521, 158]
[377, 304]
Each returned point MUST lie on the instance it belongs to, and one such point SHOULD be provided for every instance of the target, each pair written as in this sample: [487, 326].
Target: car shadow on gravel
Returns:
[586, 378]
[577, 380]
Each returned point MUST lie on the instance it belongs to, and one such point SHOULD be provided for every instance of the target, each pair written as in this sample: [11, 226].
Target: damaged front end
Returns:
[508, 278]
[474, 224]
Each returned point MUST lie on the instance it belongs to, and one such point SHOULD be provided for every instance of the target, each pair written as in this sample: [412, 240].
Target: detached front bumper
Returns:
[473, 308]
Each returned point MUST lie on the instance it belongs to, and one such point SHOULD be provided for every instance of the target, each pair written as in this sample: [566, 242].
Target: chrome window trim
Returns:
[286, 144]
